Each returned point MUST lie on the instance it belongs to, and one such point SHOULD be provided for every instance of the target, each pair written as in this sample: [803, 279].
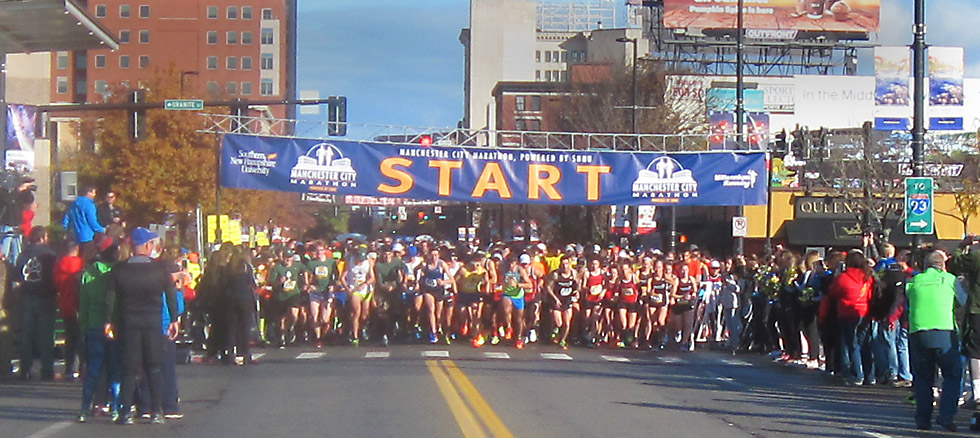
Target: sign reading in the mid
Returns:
[919, 206]
[183, 104]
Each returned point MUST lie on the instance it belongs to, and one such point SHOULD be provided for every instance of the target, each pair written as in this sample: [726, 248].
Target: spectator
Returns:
[101, 353]
[135, 286]
[933, 342]
[36, 268]
[852, 292]
[82, 223]
[67, 274]
[108, 212]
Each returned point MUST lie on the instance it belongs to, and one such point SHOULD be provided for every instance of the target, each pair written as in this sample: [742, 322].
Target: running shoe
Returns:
[157, 419]
[83, 417]
[509, 334]
[532, 336]
[494, 340]
[384, 340]
[478, 341]
[519, 344]
[563, 345]
[318, 345]
[620, 344]
[173, 416]
[355, 342]
[466, 329]
[433, 338]
[501, 332]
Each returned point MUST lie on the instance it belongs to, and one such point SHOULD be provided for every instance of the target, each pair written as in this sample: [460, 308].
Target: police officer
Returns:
[933, 341]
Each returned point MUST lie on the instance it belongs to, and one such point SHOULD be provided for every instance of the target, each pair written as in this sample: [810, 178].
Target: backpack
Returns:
[886, 292]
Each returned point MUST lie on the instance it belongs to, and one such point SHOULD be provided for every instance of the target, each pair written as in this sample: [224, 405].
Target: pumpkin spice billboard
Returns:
[791, 15]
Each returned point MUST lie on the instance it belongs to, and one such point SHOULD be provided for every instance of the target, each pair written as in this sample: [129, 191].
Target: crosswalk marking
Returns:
[310, 355]
[555, 356]
[736, 362]
[376, 355]
[435, 353]
[496, 355]
[671, 359]
[616, 359]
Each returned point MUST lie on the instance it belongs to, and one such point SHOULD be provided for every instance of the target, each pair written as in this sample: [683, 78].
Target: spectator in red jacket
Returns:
[852, 293]
[67, 276]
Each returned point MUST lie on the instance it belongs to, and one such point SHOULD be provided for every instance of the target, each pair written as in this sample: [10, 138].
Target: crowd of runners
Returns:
[328, 293]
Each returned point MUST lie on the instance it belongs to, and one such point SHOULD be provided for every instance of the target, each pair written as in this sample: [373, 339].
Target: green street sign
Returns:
[919, 206]
[183, 104]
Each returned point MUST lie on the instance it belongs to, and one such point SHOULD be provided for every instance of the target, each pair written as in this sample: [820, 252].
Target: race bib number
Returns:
[656, 299]
[321, 271]
[595, 290]
[565, 291]
[628, 292]
[289, 285]
[431, 282]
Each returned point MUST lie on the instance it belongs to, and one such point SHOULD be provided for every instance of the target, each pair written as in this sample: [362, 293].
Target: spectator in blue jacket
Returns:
[82, 221]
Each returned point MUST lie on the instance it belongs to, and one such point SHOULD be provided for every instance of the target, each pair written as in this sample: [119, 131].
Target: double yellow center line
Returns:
[475, 417]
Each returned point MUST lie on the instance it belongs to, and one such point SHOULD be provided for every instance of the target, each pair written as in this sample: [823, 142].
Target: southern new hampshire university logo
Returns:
[323, 168]
[665, 179]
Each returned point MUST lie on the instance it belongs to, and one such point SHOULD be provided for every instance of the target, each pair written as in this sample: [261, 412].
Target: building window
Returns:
[212, 12]
[144, 37]
[246, 38]
[125, 11]
[537, 56]
[124, 36]
[212, 37]
[232, 13]
[99, 61]
[246, 12]
[212, 87]
[267, 35]
[144, 61]
[519, 104]
[212, 62]
[564, 75]
[267, 14]
[231, 37]
[101, 87]
[124, 61]
[537, 75]
[62, 60]
[554, 56]
[246, 63]
[547, 56]
[547, 76]
[231, 63]
[232, 88]
[266, 89]
[62, 84]
[268, 62]
[535, 103]
[564, 56]
[144, 11]
[534, 125]
[100, 11]
[246, 88]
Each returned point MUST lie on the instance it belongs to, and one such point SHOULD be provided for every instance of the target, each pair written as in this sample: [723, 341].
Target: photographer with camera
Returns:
[15, 205]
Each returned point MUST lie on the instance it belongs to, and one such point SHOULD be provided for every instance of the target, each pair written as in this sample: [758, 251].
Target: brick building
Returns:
[217, 49]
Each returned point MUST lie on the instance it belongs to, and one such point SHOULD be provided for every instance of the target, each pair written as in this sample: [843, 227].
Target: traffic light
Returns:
[799, 146]
[137, 117]
[393, 216]
[425, 141]
[423, 216]
[782, 146]
[337, 116]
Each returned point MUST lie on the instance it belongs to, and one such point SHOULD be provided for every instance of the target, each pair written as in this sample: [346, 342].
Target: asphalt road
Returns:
[452, 391]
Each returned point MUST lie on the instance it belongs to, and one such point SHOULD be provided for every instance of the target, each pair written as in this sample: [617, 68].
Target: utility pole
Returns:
[918, 96]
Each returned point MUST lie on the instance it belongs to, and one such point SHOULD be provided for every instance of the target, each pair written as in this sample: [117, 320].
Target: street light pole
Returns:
[740, 103]
[918, 96]
[633, 209]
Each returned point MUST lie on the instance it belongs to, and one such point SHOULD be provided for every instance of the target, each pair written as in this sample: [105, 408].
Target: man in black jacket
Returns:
[134, 300]
[35, 271]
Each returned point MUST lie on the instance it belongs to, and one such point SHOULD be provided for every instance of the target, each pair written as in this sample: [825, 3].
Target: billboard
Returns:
[800, 15]
[510, 176]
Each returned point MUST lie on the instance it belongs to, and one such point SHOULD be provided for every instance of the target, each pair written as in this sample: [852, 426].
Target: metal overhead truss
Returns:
[248, 125]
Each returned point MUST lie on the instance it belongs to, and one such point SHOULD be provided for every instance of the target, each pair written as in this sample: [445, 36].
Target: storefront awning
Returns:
[28, 26]
[841, 233]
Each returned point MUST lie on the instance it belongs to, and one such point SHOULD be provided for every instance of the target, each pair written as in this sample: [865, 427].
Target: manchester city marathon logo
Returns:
[323, 166]
[665, 178]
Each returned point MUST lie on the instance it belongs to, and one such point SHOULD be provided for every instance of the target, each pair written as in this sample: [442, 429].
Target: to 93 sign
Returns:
[918, 206]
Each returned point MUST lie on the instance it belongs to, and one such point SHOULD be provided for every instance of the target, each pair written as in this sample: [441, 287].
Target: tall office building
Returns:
[217, 49]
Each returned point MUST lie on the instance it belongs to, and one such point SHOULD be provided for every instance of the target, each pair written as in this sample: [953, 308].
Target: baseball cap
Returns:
[542, 247]
[524, 259]
[715, 264]
[296, 258]
[142, 235]
[397, 247]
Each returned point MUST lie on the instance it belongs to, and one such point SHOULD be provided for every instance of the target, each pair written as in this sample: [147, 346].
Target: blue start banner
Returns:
[520, 176]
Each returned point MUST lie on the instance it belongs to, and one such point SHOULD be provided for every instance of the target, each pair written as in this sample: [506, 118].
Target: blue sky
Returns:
[399, 62]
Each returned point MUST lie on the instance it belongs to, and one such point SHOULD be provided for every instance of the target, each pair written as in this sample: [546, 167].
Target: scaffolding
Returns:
[714, 51]
[576, 15]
